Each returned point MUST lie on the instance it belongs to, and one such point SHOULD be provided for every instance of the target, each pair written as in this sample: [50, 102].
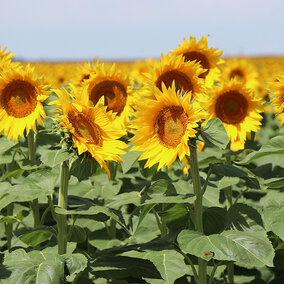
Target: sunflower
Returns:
[164, 126]
[185, 75]
[242, 70]
[91, 129]
[238, 109]
[5, 60]
[277, 91]
[21, 97]
[209, 58]
[109, 87]
[83, 73]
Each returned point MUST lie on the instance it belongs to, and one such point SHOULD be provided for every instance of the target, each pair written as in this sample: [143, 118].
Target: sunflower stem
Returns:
[193, 161]
[9, 227]
[229, 196]
[62, 202]
[32, 151]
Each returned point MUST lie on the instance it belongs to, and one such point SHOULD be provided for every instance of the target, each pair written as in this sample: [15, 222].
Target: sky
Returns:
[137, 29]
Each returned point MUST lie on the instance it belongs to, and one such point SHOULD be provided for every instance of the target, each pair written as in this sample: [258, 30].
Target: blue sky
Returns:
[137, 29]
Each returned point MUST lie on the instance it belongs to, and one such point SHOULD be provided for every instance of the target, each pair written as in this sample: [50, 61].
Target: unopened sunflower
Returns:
[277, 92]
[163, 127]
[185, 74]
[91, 129]
[238, 108]
[111, 88]
[21, 97]
[209, 58]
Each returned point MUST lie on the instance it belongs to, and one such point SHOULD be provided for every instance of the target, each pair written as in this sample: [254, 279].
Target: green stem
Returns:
[191, 264]
[32, 151]
[62, 202]
[161, 224]
[230, 272]
[9, 227]
[193, 161]
[229, 196]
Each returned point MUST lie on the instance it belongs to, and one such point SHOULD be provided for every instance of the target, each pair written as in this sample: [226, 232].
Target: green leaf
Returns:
[227, 181]
[273, 217]
[273, 147]
[169, 263]
[247, 249]
[34, 267]
[228, 170]
[78, 234]
[213, 220]
[214, 133]
[274, 182]
[75, 262]
[243, 217]
[36, 236]
[83, 169]
[52, 158]
[118, 267]
[129, 159]
[22, 193]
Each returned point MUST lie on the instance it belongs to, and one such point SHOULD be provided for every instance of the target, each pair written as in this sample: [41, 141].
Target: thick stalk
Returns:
[32, 151]
[229, 196]
[62, 202]
[193, 161]
[9, 227]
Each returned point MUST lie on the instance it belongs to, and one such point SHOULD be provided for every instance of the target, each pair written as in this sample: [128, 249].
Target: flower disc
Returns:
[19, 98]
[183, 82]
[85, 128]
[114, 94]
[231, 107]
[199, 57]
[170, 125]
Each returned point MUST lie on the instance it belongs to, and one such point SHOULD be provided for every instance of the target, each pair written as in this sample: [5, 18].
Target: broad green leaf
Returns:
[274, 182]
[129, 159]
[213, 220]
[214, 133]
[119, 200]
[169, 263]
[273, 217]
[118, 267]
[75, 262]
[247, 249]
[78, 234]
[35, 236]
[228, 170]
[243, 217]
[34, 267]
[273, 147]
[52, 158]
[23, 193]
[83, 169]
[227, 181]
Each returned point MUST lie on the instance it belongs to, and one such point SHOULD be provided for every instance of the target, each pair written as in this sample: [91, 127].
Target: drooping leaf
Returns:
[214, 133]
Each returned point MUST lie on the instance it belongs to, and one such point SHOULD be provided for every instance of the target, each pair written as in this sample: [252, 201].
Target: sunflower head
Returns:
[276, 89]
[238, 109]
[21, 97]
[208, 58]
[109, 87]
[91, 129]
[175, 69]
[164, 125]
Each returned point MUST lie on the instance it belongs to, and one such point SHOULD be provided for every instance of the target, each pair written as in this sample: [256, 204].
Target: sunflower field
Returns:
[166, 170]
